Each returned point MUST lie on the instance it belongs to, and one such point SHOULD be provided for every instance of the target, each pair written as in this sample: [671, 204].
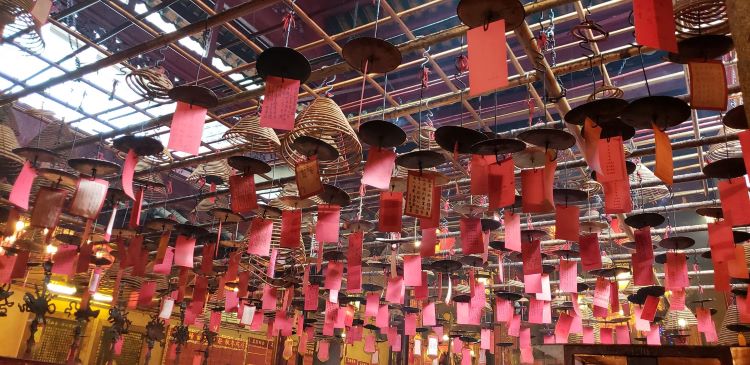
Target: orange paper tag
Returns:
[655, 24]
[419, 190]
[708, 85]
[308, 178]
[47, 207]
[664, 163]
[488, 64]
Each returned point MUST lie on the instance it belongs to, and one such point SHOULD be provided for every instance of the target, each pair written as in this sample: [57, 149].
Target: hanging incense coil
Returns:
[324, 120]
[249, 132]
[10, 163]
[605, 92]
[16, 18]
[150, 83]
[156, 188]
[726, 336]
[725, 150]
[53, 135]
[425, 138]
[645, 195]
[592, 187]
[700, 17]
[216, 168]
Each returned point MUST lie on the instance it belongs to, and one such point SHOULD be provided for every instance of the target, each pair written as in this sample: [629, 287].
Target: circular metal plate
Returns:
[596, 110]
[582, 287]
[446, 266]
[380, 133]
[36, 154]
[566, 253]
[736, 118]
[497, 146]
[533, 157]
[712, 212]
[508, 295]
[94, 167]
[360, 226]
[569, 196]
[417, 160]
[477, 13]
[57, 176]
[592, 226]
[458, 139]
[616, 127]
[311, 146]
[641, 220]
[296, 202]
[498, 245]
[663, 111]
[334, 195]
[373, 54]
[548, 138]
[191, 230]
[266, 211]
[701, 48]
[142, 146]
[116, 195]
[371, 287]
[472, 261]
[741, 236]
[194, 95]
[490, 224]
[529, 235]
[727, 168]
[677, 243]
[68, 239]
[334, 256]
[248, 165]
[283, 62]
[661, 258]
[225, 215]
[653, 291]
[213, 179]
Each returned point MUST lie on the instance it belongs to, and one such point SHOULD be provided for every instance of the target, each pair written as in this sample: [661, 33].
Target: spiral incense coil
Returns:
[324, 120]
[643, 175]
[723, 150]
[150, 83]
[249, 132]
[10, 163]
[216, 168]
[16, 18]
[425, 138]
[700, 17]
[605, 92]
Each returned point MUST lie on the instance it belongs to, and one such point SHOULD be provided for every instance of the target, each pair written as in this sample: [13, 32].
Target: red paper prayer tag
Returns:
[568, 276]
[567, 222]
[488, 65]
[501, 182]
[591, 134]
[471, 236]
[612, 159]
[649, 308]
[434, 220]
[354, 263]
[291, 223]
[744, 137]
[738, 267]
[676, 271]
[279, 103]
[48, 205]
[307, 176]
[708, 85]
[379, 167]
[128, 169]
[419, 190]
[655, 24]
[617, 197]
[21, 191]
[429, 242]
[183, 254]
[531, 253]
[412, 270]
[721, 241]
[591, 257]
[242, 189]
[187, 128]
[735, 201]
[391, 209]
[478, 167]
[260, 237]
[327, 227]
[512, 223]
[135, 213]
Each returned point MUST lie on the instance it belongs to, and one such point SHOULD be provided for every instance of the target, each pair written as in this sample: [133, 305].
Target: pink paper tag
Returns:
[128, 169]
[333, 274]
[649, 308]
[602, 293]
[531, 253]
[269, 298]
[536, 308]
[588, 335]
[372, 305]
[503, 310]
[187, 128]
[512, 223]
[394, 293]
[532, 283]
[327, 227]
[471, 236]
[19, 194]
[260, 237]
[383, 317]
[291, 223]
[183, 254]
[412, 270]
[591, 257]
[605, 336]
[514, 326]
[428, 314]
[623, 335]
[64, 260]
[652, 337]
[378, 168]
[146, 294]
[562, 328]
[676, 271]
[279, 103]
[568, 276]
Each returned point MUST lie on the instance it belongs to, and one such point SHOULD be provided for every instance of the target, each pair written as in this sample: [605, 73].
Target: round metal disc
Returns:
[142, 146]
[334, 256]
[712, 212]
[529, 235]
[116, 195]
[213, 179]
[477, 13]
[548, 138]
[727, 168]
[248, 165]
[637, 299]
[296, 202]
[371, 287]
[68, 239]
[706, 255]
[641, 220]
[497, 146]
[469, 209]
[446, 266]
[616, 127]
[266, 211]
[283, 62]
[582, 287]
[592, 226]
[334, 195]
[566, 253]
[57, 176]
[417, 160]
[371, 55]
[533, 157]
[740, 236]
[191, 230]
[569, 196]
[596, 110]
[548, 269]
[225, 215]
[458, 139]
[663, 111]
[360, 226]
[736, 118]
[701, 48]
[677, 243]
[608, 272]
[508, 295]
[652, 291]
[380, 133]
[498, 245]
[311, 146]
[472, 261]
[36, 154]
[194, 95]
[490, 224]
[94, 167]
[660, 258]
[738, 328]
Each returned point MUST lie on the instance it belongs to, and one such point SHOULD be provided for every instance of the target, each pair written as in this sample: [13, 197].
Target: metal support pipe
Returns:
[150, 45]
